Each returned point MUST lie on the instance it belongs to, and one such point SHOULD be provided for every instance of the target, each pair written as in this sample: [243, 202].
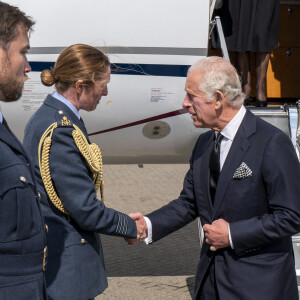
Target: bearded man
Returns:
[22, 234]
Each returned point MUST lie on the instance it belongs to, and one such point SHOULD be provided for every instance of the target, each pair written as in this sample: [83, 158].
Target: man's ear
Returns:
[79, 86]
[219, 97]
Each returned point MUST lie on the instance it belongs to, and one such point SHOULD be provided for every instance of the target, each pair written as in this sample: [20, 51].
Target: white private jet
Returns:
[151, 44]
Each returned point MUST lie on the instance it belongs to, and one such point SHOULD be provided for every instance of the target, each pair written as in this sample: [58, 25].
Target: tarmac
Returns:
[165, 269]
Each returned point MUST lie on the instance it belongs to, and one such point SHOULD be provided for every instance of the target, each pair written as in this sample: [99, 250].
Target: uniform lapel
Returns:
[82, 127]
[8, 137]
[234, 158]
[53, 102]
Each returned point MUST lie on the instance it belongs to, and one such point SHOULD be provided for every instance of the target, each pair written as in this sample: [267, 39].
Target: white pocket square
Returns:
[243, 171]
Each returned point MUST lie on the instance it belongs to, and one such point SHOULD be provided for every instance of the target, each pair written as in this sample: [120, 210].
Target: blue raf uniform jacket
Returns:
[22, 235]
[75, 261]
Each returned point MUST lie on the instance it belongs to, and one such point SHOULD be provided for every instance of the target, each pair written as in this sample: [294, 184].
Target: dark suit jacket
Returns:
[75, 262]
[263, 211]
[22, 235]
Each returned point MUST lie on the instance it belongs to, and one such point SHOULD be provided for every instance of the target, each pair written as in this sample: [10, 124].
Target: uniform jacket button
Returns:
[46, 228]
[83, 241]
[39, 195]
[23, 179]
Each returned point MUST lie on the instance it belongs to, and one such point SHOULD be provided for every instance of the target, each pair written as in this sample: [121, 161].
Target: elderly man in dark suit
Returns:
[243, 183]
[22, 235]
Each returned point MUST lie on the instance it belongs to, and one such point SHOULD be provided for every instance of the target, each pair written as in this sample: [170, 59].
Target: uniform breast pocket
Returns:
[74, 238]
[19, 213]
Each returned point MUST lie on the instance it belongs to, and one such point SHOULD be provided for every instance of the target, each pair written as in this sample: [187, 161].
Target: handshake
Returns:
[141, 228]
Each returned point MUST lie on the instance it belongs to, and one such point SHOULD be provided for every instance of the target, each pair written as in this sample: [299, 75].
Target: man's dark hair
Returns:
[11, 20]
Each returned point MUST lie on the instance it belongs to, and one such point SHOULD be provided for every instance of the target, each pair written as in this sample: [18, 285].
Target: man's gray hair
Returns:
[219, 75]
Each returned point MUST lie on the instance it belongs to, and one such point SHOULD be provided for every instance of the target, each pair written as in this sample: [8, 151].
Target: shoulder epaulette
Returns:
[63, 120]
[90, 152]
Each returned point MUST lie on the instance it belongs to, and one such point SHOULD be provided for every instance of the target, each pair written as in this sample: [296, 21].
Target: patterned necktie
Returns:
[214, 166]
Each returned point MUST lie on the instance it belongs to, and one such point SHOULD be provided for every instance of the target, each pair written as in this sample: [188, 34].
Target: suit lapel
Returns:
[234, 158]
[201, 167]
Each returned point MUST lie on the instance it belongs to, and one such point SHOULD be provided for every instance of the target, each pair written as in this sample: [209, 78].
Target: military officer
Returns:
[22, 235]
[69, 172]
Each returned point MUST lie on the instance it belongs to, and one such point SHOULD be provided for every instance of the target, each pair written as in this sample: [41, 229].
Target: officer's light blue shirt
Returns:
[64, 100]
[1, 117]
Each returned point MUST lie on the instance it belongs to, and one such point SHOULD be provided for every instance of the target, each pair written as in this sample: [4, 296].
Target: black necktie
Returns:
[214, 166]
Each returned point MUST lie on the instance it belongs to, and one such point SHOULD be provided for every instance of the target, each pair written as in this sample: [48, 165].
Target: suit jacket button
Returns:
[46, 228]
[39, 195]
[23, 179]
[83, 241]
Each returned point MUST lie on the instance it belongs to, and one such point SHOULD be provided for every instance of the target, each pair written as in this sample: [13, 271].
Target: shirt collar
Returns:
[232, 127]
[1, 118]
[64, 100]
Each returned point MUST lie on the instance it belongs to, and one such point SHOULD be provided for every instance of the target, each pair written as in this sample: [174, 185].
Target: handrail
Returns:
[296, 239]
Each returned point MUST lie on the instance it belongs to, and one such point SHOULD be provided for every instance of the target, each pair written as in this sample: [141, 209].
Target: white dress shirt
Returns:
[229, 133]
[1, 117]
